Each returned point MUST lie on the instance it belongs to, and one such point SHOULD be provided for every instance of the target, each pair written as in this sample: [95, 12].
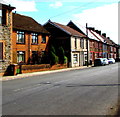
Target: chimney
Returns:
[104, 34]
[96, 31]
[99, 32]
[108, 38]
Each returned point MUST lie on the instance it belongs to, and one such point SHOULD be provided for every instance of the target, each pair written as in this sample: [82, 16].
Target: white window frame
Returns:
[34, 38]
[75, 58]
[18, 55]
[20, 37]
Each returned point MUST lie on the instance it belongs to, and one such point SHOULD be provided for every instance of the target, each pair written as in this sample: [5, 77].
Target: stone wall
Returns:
[5, 38]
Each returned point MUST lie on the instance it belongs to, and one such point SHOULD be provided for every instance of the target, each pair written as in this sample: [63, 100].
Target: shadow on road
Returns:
[91, 85]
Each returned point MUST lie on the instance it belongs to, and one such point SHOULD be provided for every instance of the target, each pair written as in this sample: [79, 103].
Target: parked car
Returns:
[105, 61]
[111, 60]
[99, 62]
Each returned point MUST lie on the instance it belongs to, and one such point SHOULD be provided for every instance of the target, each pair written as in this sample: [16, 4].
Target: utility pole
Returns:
[87, 43]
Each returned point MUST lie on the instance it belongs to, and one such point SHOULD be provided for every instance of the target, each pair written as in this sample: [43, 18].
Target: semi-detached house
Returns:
[72, 41]
[29, 39]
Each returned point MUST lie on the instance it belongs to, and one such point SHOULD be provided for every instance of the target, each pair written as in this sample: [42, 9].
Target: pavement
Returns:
[18, 76]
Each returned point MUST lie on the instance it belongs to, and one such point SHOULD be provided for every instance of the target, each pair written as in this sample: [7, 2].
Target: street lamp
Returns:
[87, 42]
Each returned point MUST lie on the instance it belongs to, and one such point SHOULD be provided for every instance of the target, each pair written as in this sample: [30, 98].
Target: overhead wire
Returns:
[69, 11]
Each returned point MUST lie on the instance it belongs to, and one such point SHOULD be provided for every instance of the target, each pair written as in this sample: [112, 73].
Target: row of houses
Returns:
[22, 39]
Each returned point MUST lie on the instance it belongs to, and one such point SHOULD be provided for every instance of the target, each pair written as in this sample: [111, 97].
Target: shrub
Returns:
[53, 58]
[61, 55]
[65, 59]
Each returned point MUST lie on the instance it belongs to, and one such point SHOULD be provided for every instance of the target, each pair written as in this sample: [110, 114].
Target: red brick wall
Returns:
[26, 47]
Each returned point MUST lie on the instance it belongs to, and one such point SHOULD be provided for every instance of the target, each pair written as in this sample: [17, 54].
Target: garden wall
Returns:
[43, 67]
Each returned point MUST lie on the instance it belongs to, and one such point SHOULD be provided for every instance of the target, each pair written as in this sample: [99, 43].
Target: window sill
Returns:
[34, 44]
[43, 42]
[20, 43]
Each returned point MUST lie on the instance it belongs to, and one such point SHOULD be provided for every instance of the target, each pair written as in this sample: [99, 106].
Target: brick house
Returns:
[107, 48]
[29, 40]
[72, 41]
[5, 36]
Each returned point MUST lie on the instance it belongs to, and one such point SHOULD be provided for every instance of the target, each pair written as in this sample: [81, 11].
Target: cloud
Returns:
[56, 4]
[21, 5]
[78, 1]
[104, 18]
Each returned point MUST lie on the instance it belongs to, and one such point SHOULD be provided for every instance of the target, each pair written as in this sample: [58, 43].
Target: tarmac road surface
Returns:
[92, 91]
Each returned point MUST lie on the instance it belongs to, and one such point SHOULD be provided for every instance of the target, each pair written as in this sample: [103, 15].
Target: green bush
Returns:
[61, 55]
[65, 59]
[53, 58]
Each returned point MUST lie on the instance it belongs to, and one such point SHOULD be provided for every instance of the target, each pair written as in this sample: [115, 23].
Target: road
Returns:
[91, 91]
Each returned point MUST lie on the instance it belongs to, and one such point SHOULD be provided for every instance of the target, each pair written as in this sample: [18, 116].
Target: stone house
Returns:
[29, 40]
[72, 41]
[5, 36]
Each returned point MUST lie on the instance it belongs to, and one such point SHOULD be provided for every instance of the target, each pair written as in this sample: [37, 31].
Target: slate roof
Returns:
[67, 29]
[75, 27]
[21, 22]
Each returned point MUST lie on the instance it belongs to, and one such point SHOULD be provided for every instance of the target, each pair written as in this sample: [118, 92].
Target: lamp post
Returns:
[87, 43]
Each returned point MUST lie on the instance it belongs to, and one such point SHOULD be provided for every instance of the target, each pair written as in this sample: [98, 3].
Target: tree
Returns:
[62, 57]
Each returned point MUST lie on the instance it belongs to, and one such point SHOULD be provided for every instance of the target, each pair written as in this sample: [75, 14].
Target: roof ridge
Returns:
[70, 29]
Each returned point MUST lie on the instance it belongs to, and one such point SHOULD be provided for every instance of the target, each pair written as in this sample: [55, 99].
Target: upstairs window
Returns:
[1, 51]
[20, 37]
[43, 39]
[3, 17]
[0, 16]
[82, 43]
[34, 38]
[75, 43]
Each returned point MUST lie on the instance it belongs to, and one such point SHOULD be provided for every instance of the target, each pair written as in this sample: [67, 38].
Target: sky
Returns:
[101, 14]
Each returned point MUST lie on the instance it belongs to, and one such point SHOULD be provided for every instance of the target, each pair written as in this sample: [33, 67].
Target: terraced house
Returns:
[100, 46]
[5, 36]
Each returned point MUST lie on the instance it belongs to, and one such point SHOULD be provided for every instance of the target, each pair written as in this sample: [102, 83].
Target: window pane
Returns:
[0, 16]
[34, 38]
[75, 58]
[20, 37]
[20, 57]
[1, 13]
[43, 39]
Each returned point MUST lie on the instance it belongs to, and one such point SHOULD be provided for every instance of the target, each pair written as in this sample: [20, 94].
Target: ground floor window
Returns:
[75, 58]
[20, 56]
[85, 56]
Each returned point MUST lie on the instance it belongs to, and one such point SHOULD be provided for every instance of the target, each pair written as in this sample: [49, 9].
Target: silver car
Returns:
[111, 60]
[105, 61]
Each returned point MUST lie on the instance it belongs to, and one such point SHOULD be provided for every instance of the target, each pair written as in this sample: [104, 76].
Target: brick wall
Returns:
[27, 47]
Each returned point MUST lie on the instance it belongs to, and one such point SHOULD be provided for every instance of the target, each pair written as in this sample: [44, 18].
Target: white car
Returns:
[105, 61]
[111, 60]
